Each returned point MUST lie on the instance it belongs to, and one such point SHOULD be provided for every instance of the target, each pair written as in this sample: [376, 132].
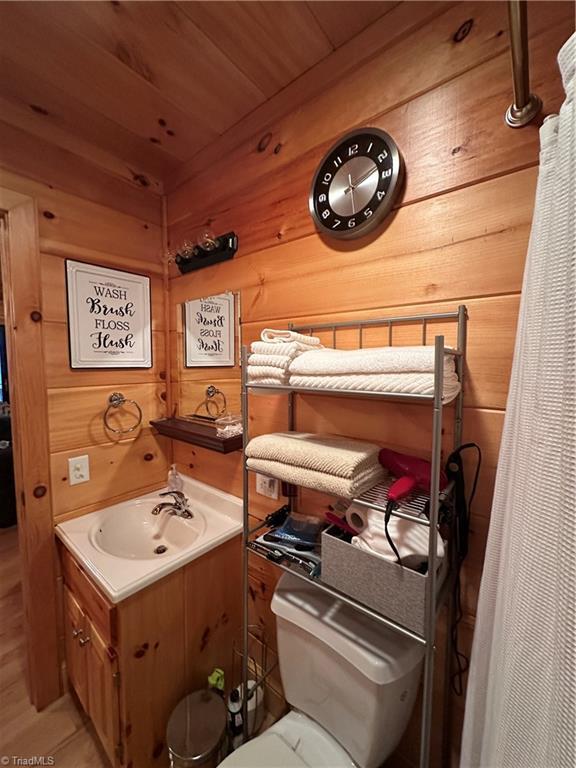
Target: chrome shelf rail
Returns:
[434, 598]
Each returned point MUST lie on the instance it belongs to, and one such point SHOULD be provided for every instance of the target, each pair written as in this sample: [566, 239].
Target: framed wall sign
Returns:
[108, 317]
[209, 330]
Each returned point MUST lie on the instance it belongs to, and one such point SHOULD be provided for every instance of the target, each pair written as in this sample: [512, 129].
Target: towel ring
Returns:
[117, 400]
[208, 403]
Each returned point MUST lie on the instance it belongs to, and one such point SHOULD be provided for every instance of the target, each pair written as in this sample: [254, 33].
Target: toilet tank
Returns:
[350, 674]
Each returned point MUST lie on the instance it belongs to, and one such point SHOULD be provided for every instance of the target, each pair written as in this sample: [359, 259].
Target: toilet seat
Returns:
[295, 741]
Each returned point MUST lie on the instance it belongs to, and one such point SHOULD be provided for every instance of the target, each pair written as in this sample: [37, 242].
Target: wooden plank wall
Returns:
[459, 234]
[74, 227]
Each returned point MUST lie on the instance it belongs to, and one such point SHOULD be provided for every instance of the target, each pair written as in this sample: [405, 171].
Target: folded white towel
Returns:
[370, 361]
[319, 481]
[279, 337]
[290, 348]
[330, 454]
[257, 372]
[277, 361]
[395, 383]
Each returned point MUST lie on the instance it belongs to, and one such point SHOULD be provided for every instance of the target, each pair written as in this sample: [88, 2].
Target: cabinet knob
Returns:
[84, 640]
[76, 632]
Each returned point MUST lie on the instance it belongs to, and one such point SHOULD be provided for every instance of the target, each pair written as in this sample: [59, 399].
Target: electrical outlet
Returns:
[266, 486]
[78, 470]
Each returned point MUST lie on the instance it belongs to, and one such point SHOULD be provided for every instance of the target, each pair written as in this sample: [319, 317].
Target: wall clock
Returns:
[356, 183]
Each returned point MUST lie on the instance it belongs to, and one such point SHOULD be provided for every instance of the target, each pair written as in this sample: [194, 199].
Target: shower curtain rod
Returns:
[526, 105]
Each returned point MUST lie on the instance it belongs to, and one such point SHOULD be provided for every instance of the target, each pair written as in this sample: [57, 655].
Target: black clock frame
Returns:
[390, 185]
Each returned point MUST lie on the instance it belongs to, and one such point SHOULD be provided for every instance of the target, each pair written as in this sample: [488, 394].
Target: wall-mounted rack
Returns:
[434, 596]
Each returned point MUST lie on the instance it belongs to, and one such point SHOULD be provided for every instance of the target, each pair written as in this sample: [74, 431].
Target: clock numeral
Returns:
[325, 213]
[322, 198]
[381, 193]
[370, 146]
[351, 223]
[352, 150]
[327, 178]
[336, 222]
[382, 156]
[387, 174]
[368, 213]
[338, 162]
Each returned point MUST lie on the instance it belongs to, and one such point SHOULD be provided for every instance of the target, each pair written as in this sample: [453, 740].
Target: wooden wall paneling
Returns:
[465, 234]
[110, 501]
[449, 138]
[149, 622]
[21, 282]
[31, 156]
[165, 47]
[262, 121]
[41, 107]
[212, 616]
[115, 468]
[111, 86]
[76, 414]
[272, 44]
[71, 225]
[407, 76]
[221, 471]
[342, 20]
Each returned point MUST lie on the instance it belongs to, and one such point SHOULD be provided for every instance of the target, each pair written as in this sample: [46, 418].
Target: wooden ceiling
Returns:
[138, 88]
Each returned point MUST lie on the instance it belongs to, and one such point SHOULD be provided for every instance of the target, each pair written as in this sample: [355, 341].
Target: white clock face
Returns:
[356, 183]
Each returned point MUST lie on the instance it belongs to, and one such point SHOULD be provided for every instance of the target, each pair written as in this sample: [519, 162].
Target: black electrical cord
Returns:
[454, 469]
[390, 507]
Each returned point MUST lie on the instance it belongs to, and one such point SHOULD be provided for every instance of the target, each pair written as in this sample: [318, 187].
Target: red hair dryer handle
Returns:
[401, 488]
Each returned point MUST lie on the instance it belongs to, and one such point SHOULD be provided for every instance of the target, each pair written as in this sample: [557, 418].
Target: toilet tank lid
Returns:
[381, 654]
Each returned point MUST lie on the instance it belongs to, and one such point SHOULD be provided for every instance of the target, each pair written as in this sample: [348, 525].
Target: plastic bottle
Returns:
[175, 481]
[234, 706]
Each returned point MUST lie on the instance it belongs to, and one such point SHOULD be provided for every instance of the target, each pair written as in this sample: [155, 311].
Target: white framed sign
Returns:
[108, 317]
[209, 326]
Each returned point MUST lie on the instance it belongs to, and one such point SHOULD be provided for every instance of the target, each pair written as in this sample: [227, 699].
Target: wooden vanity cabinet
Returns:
[130, 663]
[93, 672]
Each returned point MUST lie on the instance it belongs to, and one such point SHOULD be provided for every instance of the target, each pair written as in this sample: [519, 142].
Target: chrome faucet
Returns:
[179, 505]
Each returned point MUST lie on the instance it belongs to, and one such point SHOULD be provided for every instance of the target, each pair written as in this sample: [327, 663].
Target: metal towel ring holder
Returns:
[117, 400]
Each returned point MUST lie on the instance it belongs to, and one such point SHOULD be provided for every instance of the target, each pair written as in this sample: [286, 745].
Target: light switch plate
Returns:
[266, 486]
[78, 470]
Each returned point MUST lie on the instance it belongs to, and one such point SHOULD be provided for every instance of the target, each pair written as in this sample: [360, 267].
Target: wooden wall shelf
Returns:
[197, 434]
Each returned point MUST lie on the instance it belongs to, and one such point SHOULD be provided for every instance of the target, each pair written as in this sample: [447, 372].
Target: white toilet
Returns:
[351, 682]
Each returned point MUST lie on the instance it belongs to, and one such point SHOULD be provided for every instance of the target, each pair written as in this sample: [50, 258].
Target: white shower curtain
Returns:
[521, 701]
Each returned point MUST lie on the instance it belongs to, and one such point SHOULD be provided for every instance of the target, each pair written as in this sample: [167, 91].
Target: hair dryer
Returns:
[410, 473]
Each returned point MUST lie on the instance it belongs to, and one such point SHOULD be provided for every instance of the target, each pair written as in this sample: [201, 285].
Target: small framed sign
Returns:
[209, 330]
[108, 317]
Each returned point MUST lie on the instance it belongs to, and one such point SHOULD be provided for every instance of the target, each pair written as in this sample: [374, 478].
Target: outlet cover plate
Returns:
[78, 470]
[266, 486]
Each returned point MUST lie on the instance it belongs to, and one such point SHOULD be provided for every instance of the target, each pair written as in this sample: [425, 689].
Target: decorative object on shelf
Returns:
[115, 401]
[356, 183]
[198, 432]
[108, 317]
[209, 326]
[208, 249]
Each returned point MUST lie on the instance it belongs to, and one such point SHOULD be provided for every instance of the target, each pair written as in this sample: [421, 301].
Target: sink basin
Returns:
[137, 534]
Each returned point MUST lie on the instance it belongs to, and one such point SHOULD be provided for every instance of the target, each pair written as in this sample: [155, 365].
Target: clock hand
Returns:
[361, 180]
[351, 188]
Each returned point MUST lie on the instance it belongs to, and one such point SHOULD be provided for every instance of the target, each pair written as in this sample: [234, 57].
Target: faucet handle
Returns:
[178, 496]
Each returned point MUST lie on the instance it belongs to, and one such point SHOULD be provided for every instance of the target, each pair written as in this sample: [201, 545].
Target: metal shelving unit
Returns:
[434, 598]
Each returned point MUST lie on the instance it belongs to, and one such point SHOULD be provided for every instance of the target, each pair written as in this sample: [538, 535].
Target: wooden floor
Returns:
[61, 730]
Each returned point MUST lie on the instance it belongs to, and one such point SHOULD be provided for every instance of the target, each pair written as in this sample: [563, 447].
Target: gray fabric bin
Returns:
[397, 593]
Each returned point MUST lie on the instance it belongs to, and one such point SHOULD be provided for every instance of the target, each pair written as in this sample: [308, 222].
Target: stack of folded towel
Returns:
[336, 465]
[406, 370]
[271, 356]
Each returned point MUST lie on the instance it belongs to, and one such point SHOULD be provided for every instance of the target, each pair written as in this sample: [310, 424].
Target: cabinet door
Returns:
[75, 630]
[102, 669]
